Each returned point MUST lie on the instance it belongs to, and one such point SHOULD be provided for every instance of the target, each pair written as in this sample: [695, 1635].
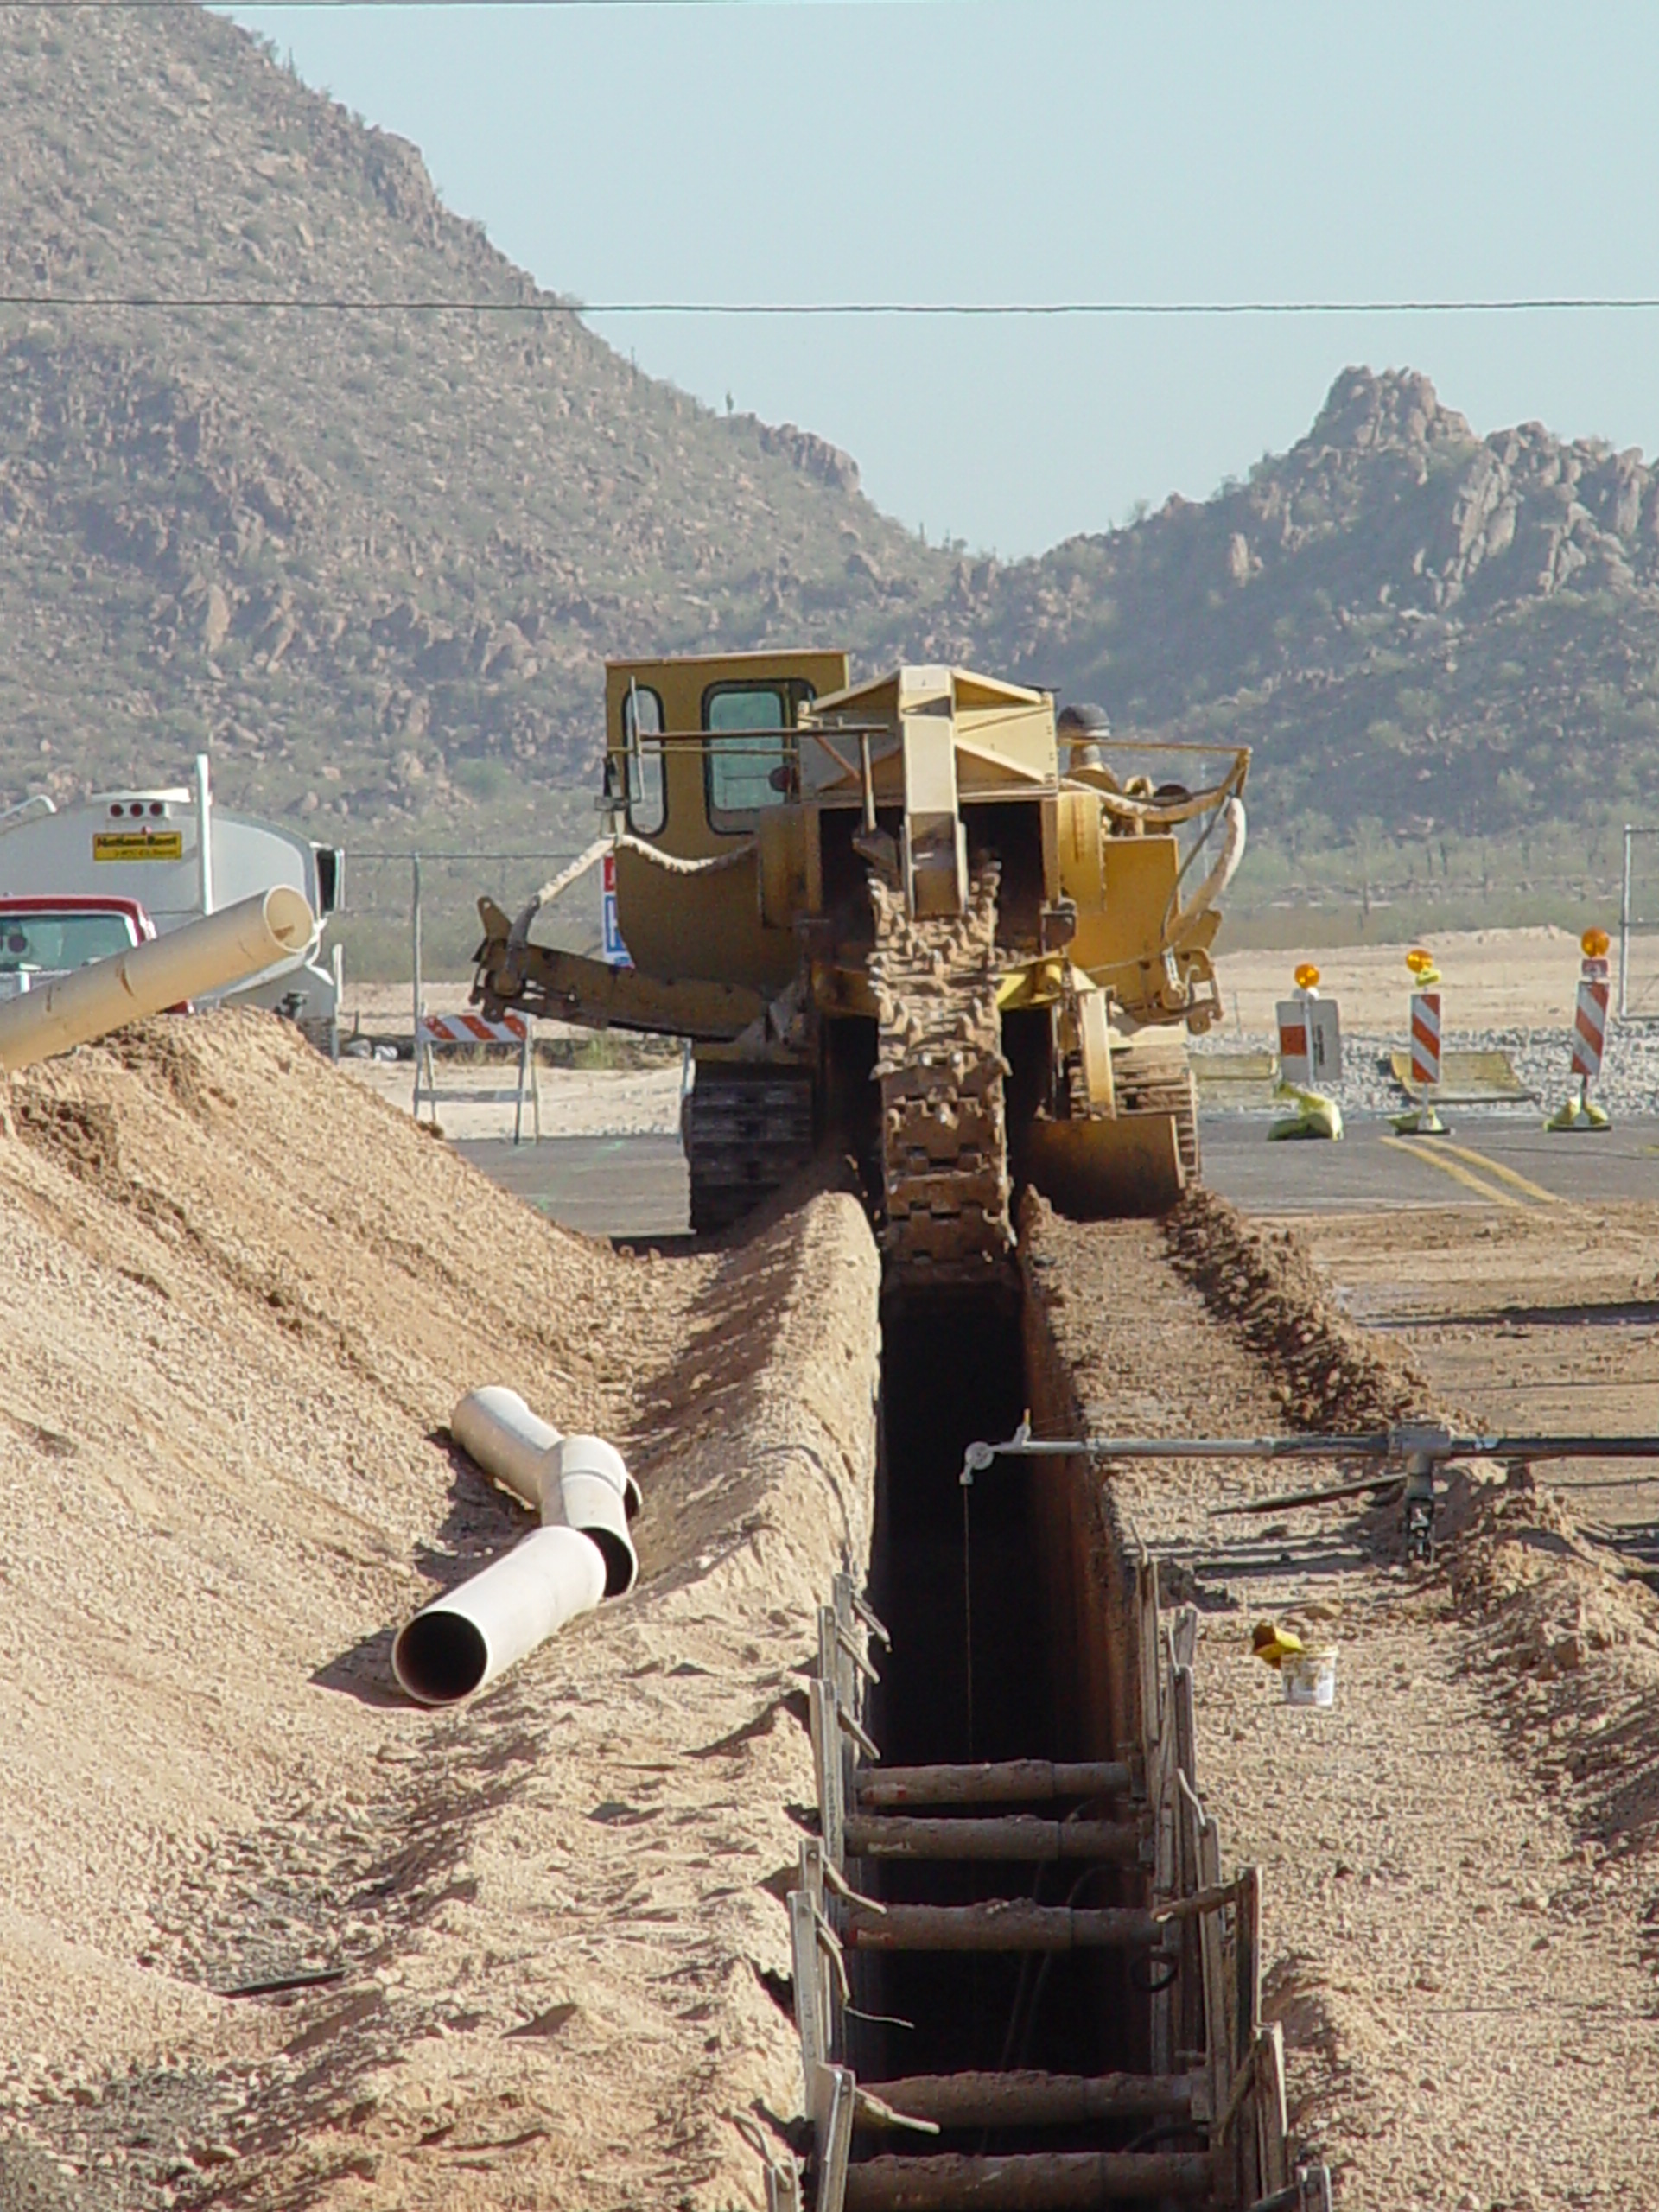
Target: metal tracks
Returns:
[1151, 1078]
[944, 1150]
[746, 1129]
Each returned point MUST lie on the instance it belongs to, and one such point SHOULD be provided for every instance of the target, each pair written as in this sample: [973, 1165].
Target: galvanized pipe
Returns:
[208, 954]
[1422, 1442]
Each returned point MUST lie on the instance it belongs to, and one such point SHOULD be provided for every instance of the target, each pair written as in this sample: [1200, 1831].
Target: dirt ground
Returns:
[241, 1298]
[244, 1294]
[1545, 1320]
[1492, 979]
[472, 1105]
[1459, 1858]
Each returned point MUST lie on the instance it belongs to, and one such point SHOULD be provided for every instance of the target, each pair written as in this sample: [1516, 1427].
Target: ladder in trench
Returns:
[1197, 1937]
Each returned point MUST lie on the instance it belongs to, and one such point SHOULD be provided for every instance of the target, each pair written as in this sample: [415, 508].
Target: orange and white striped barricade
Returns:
[1423, 1119]
[1310, 1053]
[434, 1032]
[1590, 1015]
[1426, 1040]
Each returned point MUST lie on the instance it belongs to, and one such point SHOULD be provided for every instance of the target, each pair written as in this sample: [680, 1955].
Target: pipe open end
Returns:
[289, 917]
[621, 1566]
[440, 1657]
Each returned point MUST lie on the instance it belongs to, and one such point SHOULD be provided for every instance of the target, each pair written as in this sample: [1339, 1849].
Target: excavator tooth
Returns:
[940, 1064]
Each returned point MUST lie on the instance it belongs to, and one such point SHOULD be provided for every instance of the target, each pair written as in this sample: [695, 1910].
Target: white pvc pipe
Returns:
[497, 1429]
[593, 1488]
[203, 955]
[461, 1641]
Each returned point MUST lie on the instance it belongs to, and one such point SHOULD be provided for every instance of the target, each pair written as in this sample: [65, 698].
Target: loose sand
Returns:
[1457, 1859]
[241, 1298]
[242, 1295]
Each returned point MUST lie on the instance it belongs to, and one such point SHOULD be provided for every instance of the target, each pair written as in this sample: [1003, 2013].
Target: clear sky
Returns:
[985, 149]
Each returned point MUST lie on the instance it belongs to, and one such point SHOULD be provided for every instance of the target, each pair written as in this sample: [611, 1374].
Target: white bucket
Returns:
[1310, 1676]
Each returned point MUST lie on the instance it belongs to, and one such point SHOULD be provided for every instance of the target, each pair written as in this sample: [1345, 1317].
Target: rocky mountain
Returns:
[373, 559]
[1428, 637]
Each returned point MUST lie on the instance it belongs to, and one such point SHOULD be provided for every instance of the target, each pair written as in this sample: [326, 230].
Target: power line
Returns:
[88, 7]
[328, 303]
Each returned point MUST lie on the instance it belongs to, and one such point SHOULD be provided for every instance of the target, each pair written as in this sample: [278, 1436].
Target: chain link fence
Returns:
[384, 892]
[1638, 931]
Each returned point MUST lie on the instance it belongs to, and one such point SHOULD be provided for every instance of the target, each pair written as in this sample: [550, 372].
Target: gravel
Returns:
[1629, 1082]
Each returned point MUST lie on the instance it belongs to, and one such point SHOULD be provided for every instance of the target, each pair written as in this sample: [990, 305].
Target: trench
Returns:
[1021, 1658]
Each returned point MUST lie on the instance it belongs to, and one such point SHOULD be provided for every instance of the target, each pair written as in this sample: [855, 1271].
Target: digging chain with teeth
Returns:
[945, 1153]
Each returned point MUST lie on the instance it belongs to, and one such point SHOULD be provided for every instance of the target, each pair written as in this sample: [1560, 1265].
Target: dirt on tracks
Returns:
[240, 1300]
[1457, 1859]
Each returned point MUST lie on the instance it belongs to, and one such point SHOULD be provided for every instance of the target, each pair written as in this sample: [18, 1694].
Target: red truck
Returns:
[41, 937]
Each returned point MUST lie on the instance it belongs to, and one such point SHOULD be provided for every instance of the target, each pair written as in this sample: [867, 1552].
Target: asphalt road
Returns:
[606, 1186]
[1483, 1159]
[636, 1186]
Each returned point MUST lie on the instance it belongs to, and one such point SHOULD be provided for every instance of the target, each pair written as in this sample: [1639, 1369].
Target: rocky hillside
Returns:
[1429, 637]
[373, 560]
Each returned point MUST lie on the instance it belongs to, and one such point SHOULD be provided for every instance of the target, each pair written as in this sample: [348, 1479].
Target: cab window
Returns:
[751, 754]
[642, 721]
[55, 943]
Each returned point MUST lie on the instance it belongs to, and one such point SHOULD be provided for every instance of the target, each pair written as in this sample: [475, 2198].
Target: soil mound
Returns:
[530, 1936]
[1331, 1375]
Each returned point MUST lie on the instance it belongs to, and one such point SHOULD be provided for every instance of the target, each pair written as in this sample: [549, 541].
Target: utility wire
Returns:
[325, 303]
[88, 7]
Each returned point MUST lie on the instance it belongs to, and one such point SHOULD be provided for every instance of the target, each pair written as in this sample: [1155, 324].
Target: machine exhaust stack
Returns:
[208, 954]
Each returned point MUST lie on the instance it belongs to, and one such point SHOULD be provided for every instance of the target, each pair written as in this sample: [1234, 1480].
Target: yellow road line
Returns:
[1425, 1151]
[1497, 1167]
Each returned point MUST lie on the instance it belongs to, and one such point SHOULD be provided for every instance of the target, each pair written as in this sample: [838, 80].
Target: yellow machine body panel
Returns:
[1001, 737]
[870, 904]
[1107, 1169]
[692, 747]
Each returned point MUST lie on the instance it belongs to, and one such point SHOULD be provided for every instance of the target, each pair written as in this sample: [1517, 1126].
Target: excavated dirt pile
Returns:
[1457, 1856]
[240, 1300]
[1331, 1375]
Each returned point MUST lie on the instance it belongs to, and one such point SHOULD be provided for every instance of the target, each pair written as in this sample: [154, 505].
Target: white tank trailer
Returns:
[181, 857]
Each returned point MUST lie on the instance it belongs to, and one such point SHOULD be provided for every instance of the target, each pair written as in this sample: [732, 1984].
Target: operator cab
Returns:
[697, 749]
[45, 937]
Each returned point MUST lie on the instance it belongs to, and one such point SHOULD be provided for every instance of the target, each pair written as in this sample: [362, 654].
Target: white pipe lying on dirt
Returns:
[204, 956]
[592, 1489]
[497, 1429]
[463, 1641]
[582, 1553]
